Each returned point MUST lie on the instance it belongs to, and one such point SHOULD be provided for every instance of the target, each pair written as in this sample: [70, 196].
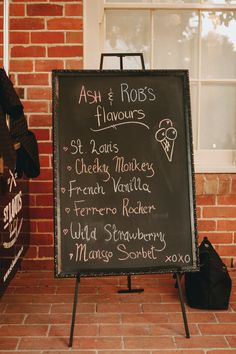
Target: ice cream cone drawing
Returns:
[166, 136]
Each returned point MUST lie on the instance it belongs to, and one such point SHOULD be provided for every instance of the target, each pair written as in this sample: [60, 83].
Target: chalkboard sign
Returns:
[124, 196]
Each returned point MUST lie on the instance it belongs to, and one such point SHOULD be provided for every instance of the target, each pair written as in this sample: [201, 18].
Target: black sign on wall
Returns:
[14, 226]
[123, 173]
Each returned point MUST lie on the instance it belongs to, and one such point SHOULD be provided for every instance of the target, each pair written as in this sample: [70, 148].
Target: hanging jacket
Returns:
[6, 143]
[25, 159]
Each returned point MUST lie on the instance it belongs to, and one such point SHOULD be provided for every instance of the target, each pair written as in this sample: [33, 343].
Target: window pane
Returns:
[128, 31]
[154, 1]
[219, 44]
[176, 2]
[220, 1]
[137, 1]
[132, 1]
[176, 40]
[218, 117]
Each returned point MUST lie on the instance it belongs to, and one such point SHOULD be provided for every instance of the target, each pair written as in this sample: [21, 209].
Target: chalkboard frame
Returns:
[56, 75]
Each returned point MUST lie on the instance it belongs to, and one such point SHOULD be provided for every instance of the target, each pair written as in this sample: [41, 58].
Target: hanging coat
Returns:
[6, 144]
[25, 159]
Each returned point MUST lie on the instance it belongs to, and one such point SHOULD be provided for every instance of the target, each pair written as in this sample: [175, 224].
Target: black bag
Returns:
[27, 156]
[209, 288]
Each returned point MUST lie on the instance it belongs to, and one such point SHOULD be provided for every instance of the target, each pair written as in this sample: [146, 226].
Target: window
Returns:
[193, 35]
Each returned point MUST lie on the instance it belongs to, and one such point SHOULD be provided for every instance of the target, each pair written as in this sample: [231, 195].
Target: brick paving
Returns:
[35, 317]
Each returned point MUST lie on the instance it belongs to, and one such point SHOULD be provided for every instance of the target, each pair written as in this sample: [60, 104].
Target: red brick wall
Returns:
[1, 34]
[216, 211]
[46, 35]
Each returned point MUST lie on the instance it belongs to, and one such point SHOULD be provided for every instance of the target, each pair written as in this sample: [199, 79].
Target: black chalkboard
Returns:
[124, 197]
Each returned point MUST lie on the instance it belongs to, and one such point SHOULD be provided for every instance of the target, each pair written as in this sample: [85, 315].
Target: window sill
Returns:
[216, 161]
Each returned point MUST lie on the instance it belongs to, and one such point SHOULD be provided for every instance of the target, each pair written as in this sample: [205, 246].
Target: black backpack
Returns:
[210, 287]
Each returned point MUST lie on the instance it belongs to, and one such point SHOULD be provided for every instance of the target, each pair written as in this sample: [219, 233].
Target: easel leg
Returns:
[130, 290]
[182, 306]
[74, 311]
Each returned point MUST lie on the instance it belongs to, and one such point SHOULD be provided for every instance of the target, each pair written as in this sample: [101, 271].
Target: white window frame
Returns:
[206, 161]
